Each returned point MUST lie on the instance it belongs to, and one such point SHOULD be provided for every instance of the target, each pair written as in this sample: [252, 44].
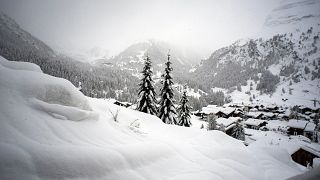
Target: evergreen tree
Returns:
[167, 112]
[238, 132]
[222, 128]
[184, 110]
[146, 102]
[212, 123]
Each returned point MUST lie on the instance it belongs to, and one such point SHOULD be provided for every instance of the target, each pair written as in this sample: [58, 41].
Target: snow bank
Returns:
[36, 144]
[19, 65]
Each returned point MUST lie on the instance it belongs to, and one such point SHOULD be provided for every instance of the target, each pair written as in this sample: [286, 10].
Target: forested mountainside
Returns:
[132, 58]
[294, 59]
[284, 56]
[18, 45]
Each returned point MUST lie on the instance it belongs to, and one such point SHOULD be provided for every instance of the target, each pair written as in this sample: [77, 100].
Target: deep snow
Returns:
[49, 130]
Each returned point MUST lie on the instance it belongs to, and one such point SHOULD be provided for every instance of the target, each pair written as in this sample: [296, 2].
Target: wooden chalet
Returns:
[124, 104]
[255, 123]
[305, 155]
[301, 127]
[228, 123]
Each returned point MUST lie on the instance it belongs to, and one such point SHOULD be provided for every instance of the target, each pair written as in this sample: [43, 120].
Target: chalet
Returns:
[228, 124]
[306, 110]
[272, 108]
[255, 123]
[255, 115]
[124, 104]
[301, 127]
[269, 115]
[218, 111]
[305, 155]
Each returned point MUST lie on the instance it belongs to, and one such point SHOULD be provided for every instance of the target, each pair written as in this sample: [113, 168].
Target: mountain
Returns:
[86, 55]
[14, 38]
[132, 58]
[282, 68]
[16, 44]
[292, 16]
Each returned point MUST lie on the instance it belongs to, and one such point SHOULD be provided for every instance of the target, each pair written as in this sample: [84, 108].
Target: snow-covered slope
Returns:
[49, 130]
[292, 16]
[14, 37]
[282, 65]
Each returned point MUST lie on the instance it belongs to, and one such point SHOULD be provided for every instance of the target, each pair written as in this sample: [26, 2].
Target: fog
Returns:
[203, 25]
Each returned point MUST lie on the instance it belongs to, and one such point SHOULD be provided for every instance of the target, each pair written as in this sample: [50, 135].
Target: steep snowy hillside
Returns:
[18, 45]
[282, 66]
[14, 37]
[49, 130]
[292, 16]
[132, 58]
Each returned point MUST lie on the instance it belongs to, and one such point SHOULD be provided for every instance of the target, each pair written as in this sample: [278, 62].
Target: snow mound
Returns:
[19, 65]
[36, 144]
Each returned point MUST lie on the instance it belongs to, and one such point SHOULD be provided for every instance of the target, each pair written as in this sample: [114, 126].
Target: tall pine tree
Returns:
[238, 132]
[184, 110]
[146, 102]
[167, 112]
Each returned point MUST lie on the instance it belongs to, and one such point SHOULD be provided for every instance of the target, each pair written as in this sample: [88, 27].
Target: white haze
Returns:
[203, 25]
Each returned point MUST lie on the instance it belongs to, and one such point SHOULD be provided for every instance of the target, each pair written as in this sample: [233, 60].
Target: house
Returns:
[228, 123]
[255, 115]
[124, 104]
[255, 123]
[269, 115]
[217, 111]
[305, 155]
[301, 127]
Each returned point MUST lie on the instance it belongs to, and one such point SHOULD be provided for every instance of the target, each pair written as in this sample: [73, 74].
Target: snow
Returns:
[227, 122]
[299, 94]
[301, 124]
[254, 114]
[213, 109]
[292, 16]
[254, 122]
[19, 65]
[49, 130]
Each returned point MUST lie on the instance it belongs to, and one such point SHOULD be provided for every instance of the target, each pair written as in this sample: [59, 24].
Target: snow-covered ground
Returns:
[49, 130]
[302, 94]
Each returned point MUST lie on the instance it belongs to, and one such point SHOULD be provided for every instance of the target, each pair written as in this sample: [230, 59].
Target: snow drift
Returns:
[49, 130]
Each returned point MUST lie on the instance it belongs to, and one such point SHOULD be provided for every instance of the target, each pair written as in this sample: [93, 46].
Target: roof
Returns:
[254, 114]
[213, 109]
[312, 108]
[227, 122]
[254, 122]
[269, 114]
[301, 124]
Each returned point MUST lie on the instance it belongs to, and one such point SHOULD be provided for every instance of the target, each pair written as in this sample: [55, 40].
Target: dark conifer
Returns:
[184, 110]
[167, 112]
[147, 101]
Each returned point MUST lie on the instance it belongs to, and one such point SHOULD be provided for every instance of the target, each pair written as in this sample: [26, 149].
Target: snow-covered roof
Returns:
[213, 109]
[269, 114]
[227, 122]
[311, 107]
[301, 124]
[253, 122]
[310, 127]
[254, 114]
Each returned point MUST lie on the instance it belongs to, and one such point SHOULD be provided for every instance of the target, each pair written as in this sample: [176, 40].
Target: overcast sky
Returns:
[204, 25]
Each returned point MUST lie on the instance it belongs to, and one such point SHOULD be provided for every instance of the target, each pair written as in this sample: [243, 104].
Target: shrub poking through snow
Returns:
[184, 110]
[238, 132]
[114, 114]
[167, 112]
[147, 100]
